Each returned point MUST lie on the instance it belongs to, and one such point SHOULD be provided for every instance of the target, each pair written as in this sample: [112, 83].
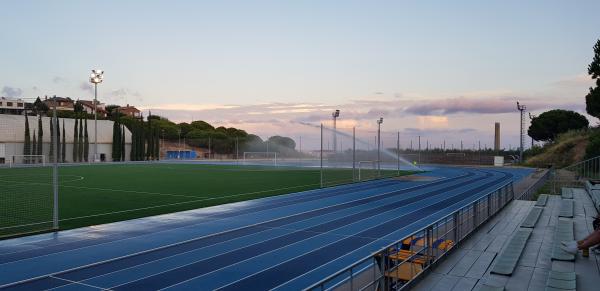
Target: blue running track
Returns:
[286, 242]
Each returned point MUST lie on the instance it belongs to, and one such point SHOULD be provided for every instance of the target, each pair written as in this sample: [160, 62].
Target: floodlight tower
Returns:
[335, 115]
[522, 109]
[96, 78]
[379, 122]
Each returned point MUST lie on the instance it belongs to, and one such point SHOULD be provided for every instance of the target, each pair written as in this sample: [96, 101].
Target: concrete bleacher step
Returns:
[566, 193]
[484, 287]
[506, 261]
[542, 200]
[564, 232]
[532, 217]
[566, 208]
[561, 281]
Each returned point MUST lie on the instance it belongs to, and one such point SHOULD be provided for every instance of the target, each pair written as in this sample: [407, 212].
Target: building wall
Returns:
[17, 149]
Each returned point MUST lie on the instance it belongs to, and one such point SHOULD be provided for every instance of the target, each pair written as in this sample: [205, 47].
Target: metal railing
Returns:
[396, 266]
[575, 175]
[528, 194]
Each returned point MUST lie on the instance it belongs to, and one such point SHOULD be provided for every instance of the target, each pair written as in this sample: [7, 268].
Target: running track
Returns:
[286, 242]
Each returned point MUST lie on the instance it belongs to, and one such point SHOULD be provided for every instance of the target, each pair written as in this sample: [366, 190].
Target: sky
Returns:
[442, 70]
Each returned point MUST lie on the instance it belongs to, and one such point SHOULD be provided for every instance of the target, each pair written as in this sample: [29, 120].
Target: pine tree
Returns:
[75, 142]
[58, 149]
[86, 143]
[40, 140]
[123, 143]
[27, 140]
[64, 144]
[51, 154]
[80, 140]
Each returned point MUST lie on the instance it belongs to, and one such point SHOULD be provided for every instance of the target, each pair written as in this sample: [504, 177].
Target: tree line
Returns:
[34, 143]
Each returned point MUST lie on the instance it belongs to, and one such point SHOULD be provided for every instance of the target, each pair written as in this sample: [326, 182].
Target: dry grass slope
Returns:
[568, 149]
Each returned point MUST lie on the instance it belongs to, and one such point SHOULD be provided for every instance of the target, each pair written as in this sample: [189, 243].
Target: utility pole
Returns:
[419, 149]
[379, 122]
[522, 109]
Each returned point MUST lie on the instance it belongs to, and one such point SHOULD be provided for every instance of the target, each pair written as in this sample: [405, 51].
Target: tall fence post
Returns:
[321, 156]
[55, 169]
[353, 153]
[398, 151]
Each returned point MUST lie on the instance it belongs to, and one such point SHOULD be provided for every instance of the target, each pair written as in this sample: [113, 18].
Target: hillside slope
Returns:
[568, 149]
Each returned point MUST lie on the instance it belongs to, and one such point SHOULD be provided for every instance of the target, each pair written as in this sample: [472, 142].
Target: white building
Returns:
[11, 106]
[12, 136]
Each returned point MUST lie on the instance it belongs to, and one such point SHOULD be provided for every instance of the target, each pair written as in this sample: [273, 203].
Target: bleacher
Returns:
[520, 248]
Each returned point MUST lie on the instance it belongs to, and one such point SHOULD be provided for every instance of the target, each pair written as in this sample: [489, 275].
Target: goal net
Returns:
[19, 160]
[267, 158]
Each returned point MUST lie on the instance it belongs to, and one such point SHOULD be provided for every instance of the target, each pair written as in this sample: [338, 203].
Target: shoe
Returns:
[570, 247]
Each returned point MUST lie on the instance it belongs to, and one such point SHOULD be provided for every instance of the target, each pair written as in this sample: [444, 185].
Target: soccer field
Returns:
[96, 194]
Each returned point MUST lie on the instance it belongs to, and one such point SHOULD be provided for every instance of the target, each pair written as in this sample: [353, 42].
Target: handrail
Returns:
[505, 193]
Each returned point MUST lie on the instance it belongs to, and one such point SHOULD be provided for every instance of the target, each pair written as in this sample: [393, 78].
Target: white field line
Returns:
[181, 242]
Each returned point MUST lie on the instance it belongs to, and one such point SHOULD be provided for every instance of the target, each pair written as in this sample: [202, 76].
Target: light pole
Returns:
[96, 78]
[379, 122]
[335, 115]
[522, 109]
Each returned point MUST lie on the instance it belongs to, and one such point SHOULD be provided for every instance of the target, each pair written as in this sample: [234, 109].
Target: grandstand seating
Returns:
[484, 287]
[564, 232]
[593, 189]
[532, 217]
[567, 193]
[542, 200]
[561, 281]
[508, 258]
[566, 208]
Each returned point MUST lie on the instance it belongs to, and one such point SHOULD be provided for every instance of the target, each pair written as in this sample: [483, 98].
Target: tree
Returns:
[58, 148]
[77, 107]
[27, 140]
[63, 154]
[592, 99]
[116, 142]
[40, 145]
[80, 140]
[34, 145]
[123, 143]
[39, 106]
[283, 141]
[86, 143]
[51, 154]
[548, 125]
[75, 141]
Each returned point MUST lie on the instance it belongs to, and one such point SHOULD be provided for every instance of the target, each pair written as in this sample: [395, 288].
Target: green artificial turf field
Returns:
[96, 194]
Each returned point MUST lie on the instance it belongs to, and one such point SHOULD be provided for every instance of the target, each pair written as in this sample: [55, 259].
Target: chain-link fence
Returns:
[29, 149]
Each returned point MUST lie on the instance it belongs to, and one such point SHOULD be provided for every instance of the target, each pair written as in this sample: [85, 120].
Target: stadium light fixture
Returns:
[96, 78]
[522, 109]
[335, 115]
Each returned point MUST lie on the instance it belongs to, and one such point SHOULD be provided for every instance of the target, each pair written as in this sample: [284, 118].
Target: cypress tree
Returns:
[58, 151]
[123, 143]
[75, 142]
[156, 144]
[27, 140]
[40, 140]
[116, 154]
[51, 154]
[34, 146]
[80, 140]
[86, 143]
[132, 153]
[64, 144]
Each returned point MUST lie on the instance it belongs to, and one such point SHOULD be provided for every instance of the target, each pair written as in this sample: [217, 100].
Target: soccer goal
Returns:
[367, 170]
[16, 160]
[260, 157]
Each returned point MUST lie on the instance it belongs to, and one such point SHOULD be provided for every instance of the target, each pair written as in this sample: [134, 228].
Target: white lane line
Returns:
[273, 250]
[274, 266]
[182, 242]
[74, 282]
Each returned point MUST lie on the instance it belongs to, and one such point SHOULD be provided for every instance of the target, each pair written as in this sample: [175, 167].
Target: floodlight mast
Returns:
[522, 109]
[335, 115]
[96, 78]
[379, 122]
